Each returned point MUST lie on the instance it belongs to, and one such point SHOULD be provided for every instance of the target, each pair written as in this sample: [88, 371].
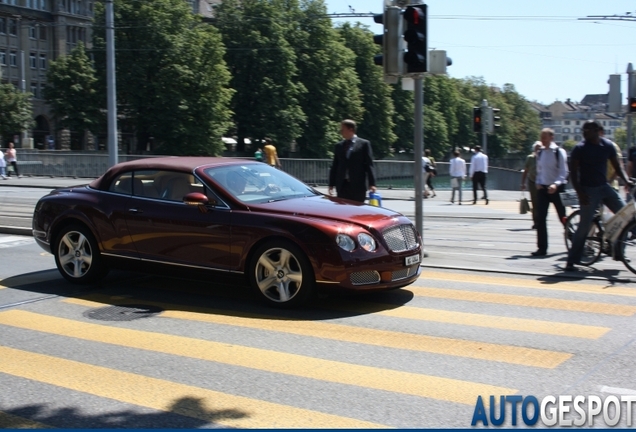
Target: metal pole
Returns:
[631, 92]
[484, 131]
[110, 84]
[418, 148]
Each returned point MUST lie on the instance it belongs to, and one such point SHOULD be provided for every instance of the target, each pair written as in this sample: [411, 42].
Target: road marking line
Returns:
[414, 384]
[181, 399]
[556, 285]
[528, 301]
[618, 390]
[478, 320]
[407, 341]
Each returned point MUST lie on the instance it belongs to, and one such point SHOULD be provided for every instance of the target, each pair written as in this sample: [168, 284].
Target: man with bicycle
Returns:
[588, 173]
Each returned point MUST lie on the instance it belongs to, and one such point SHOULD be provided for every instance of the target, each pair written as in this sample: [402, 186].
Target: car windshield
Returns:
[259, 183]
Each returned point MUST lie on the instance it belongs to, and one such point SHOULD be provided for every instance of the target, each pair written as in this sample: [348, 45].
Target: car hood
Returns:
[330, 208]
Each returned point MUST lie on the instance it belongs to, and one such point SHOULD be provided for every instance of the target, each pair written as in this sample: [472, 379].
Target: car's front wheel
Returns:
[77, 255]
[282, 274]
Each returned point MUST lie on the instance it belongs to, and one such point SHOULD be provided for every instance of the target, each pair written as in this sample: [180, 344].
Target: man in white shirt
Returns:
[478, 171]
[457, 171]
[425, 162]
[551, 179]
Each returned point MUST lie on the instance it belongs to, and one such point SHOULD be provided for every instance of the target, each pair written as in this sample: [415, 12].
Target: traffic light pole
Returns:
[418, 148]
[484, 126]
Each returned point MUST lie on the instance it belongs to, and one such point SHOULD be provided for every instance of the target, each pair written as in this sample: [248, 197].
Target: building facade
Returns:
[32, 33]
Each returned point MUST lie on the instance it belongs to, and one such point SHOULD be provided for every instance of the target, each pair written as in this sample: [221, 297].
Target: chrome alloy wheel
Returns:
[279, 275]
[75, 254]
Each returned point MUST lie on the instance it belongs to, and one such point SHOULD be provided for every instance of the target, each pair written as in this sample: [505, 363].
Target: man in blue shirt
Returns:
[588, 173]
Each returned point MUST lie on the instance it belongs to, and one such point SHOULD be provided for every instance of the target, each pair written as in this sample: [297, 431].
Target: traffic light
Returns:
[415, 37]
[477, 120]
[632, 104]
[493, 119]
[390, 40]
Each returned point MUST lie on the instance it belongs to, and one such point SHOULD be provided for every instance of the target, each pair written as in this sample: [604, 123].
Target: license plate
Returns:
[413, 259]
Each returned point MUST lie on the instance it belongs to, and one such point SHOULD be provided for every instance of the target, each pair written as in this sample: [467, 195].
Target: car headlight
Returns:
[345, 242]
[366, 242]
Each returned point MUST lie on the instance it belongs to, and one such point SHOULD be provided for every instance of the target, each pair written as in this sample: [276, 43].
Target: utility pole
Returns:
[110, 84]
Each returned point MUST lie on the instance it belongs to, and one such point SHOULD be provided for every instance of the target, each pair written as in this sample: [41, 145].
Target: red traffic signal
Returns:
[632, 104]
[477, 120]
[415, 37]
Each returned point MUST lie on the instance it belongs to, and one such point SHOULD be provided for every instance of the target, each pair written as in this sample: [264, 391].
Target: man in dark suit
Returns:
[352, 165]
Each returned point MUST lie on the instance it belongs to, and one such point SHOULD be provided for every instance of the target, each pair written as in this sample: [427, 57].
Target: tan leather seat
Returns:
[178, 187]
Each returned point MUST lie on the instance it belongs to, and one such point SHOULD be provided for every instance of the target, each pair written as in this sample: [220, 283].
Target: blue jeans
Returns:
[597, 195]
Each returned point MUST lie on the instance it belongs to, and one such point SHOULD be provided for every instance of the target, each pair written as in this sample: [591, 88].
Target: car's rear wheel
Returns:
[282, 274]
[77, 255]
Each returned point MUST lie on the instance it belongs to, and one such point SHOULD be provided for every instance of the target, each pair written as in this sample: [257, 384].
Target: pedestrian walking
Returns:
[432, 172]
[271, 157]
[352, 172]
[12, 159]
[3, 165]
[478, 172]
[425, 174]
[588, 173]
[457, 171]
[552, 174]
[529, 176]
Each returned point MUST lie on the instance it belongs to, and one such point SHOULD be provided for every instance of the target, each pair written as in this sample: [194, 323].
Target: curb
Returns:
[16, 231]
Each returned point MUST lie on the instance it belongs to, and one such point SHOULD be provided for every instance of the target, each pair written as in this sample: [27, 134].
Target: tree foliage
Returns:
[172, 81]
[15, 110]
[72, 92]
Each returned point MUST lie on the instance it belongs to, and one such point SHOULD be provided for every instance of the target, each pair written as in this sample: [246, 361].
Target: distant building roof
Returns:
[594, 99]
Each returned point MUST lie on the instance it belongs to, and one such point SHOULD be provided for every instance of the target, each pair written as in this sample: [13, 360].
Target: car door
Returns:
[165, 229]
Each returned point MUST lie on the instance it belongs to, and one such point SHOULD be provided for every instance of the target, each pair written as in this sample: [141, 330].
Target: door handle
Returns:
[135, 210]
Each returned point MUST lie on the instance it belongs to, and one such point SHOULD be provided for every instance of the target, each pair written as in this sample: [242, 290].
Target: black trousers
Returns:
[479, 179]
[347, 191]
[541, 213]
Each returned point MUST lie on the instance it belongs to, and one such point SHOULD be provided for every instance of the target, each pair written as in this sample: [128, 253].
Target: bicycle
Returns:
[611, 236]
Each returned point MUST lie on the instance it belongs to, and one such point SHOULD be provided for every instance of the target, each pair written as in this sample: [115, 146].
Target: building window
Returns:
[34, 90]
[32, 32]
[3, 25]
[42, 33]
[578, 122]
[42, 61]
[577, 138]
[577, 130]
[13, 27]
[33, 62]
[3, 58]
[566, 130]
[13, 58]
[565, 137]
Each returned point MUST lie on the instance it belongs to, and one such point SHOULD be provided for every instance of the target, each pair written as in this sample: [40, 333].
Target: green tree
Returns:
[172, 81]
[620, 137]
[568, 145]
[403, 118]
[377, 121]
[264, 73]
[326, 69]
[16, 110]
[72, 92]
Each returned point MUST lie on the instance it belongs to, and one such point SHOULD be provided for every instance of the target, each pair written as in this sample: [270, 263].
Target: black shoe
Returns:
[452, 202]
[487, 201]
[570, 267]
[539, 253]
[474, 202]
[460, 203]
[534, 227]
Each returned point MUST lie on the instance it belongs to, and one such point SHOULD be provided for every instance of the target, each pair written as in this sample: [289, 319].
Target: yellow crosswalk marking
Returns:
[447, 389]
[518, 300]
[478, 320]
[9, 421]
[185, 400]
[407, 341]
[561, 285]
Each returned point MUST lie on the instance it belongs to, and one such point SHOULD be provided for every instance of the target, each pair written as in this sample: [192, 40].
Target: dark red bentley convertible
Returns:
[226, 215]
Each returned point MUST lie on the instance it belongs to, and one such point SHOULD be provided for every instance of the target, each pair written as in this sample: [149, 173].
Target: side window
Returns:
[173, 186]
[144, 184]
[122, 184]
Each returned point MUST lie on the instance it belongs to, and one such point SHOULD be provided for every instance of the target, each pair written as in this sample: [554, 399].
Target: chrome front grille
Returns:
[365, 277]
[400, 238]
[404, 273]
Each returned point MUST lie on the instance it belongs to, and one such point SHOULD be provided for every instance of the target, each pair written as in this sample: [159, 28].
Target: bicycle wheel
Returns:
[628, 247]
[592, 250]
[572, 224]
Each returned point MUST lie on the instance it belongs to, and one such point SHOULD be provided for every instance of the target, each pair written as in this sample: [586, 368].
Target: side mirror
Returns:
[195, 199]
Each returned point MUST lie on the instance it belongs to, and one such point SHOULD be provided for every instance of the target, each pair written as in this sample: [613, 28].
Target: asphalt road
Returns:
[140, 351]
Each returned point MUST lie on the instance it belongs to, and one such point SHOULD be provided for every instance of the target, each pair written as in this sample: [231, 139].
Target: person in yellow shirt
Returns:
[271, 157]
